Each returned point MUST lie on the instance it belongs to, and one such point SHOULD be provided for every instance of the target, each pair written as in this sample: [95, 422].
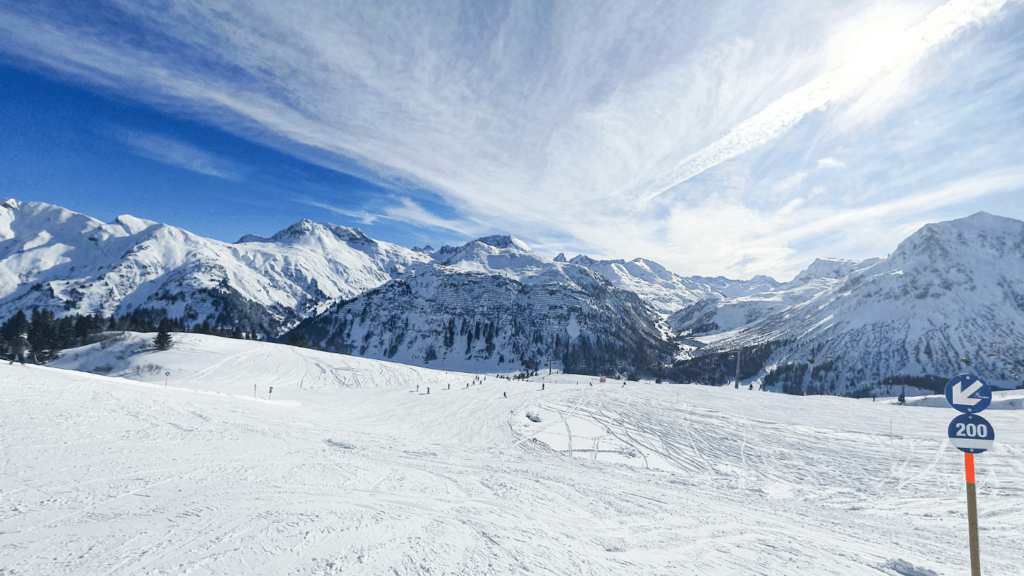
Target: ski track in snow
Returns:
[339, 474]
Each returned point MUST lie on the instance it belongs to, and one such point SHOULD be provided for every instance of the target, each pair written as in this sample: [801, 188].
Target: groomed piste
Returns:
[350, 466]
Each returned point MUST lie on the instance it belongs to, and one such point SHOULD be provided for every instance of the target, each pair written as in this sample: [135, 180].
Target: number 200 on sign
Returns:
[971, 430]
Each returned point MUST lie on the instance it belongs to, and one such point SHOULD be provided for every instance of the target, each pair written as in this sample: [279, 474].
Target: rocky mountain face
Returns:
[952, 290]
[460, 320]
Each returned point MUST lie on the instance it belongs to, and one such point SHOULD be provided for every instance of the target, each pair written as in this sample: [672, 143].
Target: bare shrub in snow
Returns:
[146, 368]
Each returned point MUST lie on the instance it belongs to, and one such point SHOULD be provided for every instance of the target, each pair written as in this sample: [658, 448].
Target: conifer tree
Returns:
[163, 336]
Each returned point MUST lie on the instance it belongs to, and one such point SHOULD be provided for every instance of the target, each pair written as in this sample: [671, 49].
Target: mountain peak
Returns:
[560, 257]
[491, 255]
[584, 260]
[307, 228]
[504, 241]
[970, 237]
[825, 268]
[132, 224]
[981, 217]
[300, 229]
[981, 223]
[654, 267]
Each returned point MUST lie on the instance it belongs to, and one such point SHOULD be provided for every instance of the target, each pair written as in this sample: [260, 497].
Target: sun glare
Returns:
[869, 44]
[875, 52]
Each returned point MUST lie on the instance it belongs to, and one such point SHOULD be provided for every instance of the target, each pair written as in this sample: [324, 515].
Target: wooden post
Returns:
[972, 513]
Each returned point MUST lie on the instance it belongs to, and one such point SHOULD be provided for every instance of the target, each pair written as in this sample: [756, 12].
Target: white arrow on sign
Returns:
[963, 397]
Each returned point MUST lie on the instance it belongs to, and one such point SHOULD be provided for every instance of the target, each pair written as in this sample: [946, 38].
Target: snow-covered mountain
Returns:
[505, 255]
[666, 290]
[60, 260]
[56, 259]
[452, 318]
[951, 290]
[722, 313]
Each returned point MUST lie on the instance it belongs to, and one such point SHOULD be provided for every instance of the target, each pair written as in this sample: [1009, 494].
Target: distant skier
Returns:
[505, 394]
[541, 386]
[428, 389]
[417, 387]
[449, 386]
[271, 393]
[18, 348]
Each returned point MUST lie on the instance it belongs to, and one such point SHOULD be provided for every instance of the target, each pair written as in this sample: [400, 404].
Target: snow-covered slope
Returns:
[339, 475]
[951, 290]
[69, 263]
[210, 362]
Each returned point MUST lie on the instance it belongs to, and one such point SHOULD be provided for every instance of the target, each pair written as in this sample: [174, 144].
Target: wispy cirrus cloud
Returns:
[406, 211]
[175, 153]
[790, 182]
[620, 128]
[762, 242]
[895, 52]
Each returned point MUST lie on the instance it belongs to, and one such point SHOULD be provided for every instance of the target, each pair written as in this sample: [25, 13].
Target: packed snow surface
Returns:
[351, 467]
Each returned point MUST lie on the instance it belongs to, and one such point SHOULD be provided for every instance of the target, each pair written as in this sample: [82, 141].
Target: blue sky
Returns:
[732, 138]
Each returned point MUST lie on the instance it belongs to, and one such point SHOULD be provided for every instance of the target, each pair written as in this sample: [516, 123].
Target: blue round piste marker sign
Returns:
[968, 393]
[971, 433]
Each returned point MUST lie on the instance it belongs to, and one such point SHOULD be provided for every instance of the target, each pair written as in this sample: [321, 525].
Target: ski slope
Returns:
[348, 469]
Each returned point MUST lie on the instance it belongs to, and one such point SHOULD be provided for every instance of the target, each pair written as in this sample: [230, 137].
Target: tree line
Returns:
[48, 335]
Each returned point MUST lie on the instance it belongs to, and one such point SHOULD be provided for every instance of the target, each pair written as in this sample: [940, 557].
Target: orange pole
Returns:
[972, 513]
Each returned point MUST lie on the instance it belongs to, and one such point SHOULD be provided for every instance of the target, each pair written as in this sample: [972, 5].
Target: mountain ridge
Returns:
[951, 290]
[948, 291]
